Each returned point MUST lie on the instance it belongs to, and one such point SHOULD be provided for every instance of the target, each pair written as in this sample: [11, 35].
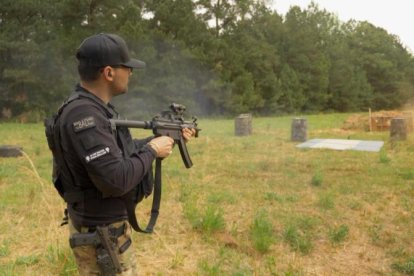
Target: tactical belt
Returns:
[114, 231]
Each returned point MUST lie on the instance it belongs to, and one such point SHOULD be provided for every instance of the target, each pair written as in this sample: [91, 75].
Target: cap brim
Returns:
[135, 63]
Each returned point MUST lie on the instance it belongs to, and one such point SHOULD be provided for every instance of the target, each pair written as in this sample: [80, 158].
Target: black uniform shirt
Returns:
[97, 159]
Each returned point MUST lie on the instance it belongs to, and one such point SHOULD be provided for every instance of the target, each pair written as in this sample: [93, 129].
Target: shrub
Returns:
[339, 234]
[383, 157]
[262, 232]
[212, 220]
[317, 179]
[297, 240]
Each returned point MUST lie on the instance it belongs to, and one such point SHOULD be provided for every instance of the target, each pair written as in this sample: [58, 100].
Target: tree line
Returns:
[218, 57]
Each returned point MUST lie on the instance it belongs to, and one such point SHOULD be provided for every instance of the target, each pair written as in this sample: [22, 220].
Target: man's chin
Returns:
[121, 92]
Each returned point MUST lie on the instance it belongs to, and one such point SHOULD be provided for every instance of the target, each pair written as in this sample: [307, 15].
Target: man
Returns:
[97, 165]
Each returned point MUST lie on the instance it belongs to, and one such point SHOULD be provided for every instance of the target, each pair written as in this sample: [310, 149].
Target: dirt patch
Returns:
[356, 122]
[379, 121]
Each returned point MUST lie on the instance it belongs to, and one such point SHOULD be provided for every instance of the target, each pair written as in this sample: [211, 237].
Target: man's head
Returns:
[105, 58]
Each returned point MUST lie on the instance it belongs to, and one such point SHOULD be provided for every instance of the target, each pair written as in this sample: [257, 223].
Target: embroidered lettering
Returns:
[83, 124]
[97, 154]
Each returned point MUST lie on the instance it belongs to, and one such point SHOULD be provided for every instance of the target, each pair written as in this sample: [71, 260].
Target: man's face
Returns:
[121, 76]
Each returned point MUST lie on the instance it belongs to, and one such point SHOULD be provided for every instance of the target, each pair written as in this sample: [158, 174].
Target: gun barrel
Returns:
[132, 124]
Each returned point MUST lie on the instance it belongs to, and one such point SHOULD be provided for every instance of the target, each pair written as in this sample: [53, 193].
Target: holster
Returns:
[104, 238]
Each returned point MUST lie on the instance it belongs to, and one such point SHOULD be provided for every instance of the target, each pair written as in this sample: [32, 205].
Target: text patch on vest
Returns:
[83, 124]
[97, 154]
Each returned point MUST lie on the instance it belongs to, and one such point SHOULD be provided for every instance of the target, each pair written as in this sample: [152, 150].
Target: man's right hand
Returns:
[162, 145]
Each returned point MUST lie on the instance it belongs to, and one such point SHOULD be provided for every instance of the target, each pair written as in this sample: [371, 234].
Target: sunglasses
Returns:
[117, 66]
[121, 66]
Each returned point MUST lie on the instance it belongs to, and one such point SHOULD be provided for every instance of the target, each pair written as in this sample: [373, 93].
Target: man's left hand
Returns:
[188, 133]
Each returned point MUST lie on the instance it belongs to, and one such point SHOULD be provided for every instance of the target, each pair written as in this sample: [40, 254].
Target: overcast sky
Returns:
[395, 16]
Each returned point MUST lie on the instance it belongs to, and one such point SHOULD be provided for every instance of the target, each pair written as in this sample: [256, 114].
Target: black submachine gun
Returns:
[167, 123]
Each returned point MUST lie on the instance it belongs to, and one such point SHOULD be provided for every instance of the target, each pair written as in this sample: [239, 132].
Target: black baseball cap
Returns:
[102, 50]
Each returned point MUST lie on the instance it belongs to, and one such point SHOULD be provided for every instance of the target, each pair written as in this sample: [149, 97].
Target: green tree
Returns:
[292, 99]
[385, 62]
[216, 57]
[30, 64]
[252, 56]
[305, 51]
[349, 89]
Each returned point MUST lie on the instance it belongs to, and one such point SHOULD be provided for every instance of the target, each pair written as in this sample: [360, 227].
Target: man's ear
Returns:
[107, 72]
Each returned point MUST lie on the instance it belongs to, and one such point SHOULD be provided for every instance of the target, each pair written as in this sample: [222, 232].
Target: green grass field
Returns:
[252, 205]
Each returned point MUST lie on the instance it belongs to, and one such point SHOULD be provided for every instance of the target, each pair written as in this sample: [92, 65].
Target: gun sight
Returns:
[178, 109]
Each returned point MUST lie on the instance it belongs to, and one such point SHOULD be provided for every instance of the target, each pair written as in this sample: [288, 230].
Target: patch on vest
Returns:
[97, 154]
[83, 124]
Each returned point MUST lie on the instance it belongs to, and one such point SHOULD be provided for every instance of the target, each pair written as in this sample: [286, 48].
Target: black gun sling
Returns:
[156, 201]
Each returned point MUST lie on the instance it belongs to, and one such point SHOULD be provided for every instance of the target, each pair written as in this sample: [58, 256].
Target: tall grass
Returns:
[262, 232]
[338, 234]
[406, 267]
